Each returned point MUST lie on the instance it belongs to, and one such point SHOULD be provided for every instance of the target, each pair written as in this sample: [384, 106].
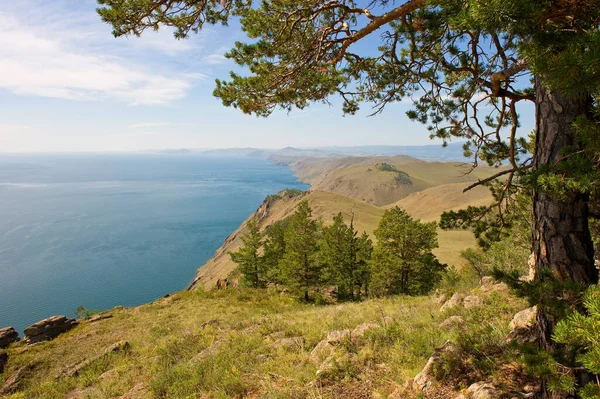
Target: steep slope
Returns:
[274, 208]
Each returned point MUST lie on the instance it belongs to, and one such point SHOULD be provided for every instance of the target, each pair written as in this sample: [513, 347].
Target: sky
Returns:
[66, 84]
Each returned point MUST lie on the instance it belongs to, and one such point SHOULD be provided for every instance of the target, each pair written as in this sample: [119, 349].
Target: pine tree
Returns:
[274, 249]
[250, 263]
[346, 257]
[299, 266]
[402, 259]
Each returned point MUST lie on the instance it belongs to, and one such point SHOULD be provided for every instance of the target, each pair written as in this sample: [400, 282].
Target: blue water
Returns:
[107, 230]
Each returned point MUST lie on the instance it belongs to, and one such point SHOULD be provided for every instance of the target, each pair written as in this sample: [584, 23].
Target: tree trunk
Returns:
[561, 236]
[562, 242]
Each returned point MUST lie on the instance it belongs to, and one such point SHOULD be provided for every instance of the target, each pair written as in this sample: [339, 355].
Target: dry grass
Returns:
[166, 335]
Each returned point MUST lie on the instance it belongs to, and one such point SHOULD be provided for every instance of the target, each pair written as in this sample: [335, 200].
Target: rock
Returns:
[139, 391]
[14, 382]
[49, 328]
[386, 321]
[8, 335]
[289, 343]
[481, 390]
[210, 351]
[361, 329]
[472, 301]
[109, 375]
[441, 299]
[99, 316]
[452, 321]
[500, 287]
[454, 301]
[322, 351]
[425, 380]
[487, 280]
[3, 360]
[461, 396]
[335, 337]
[74, 370]
[522, 326]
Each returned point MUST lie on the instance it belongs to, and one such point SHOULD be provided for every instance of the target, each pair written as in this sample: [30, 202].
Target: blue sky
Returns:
[67, 85]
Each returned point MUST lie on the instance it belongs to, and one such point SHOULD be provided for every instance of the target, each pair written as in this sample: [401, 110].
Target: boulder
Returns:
[322, 351]
[3, 360]
[522, 326]
[425, 380]
[454, 301]
[472, 301]
[330, 363]
[49, 328]
[99, 316]
[441, 299]
[208, 352]
[362, 329]
[500, 287]
[453, 321]
[481, 390]
[8, 335]
[487, 280]
[335, 337]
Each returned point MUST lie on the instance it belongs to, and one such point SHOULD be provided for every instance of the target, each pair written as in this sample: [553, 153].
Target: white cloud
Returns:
[42, 60]
[213, 59]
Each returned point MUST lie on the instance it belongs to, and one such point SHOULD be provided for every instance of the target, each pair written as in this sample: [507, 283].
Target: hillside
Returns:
[426, 205]
[362, 178]
[262, 344]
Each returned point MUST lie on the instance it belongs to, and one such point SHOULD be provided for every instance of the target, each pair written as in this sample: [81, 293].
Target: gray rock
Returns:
[8, 335]
[335, 337]
[425, 380]
[3, 360]
[452, 302]
[481, 390]
[322, 351]
[329, 364]
[472, 301]
[522, 326]
[487, 280]
[99, 316]
[49, 328]
[210, 351]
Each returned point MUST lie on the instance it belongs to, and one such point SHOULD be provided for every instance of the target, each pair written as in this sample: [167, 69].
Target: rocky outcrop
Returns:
[522, 326]
[8, 335]
[289, 343]
[425, 380]
[49, 328]
[74, 370]
[334, 337]
[472, 301]
[321, 352]
[453, 302]
[362, 329]
[15, 381]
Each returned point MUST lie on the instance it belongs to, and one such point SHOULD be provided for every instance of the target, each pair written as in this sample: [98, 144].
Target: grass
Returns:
[235, 332]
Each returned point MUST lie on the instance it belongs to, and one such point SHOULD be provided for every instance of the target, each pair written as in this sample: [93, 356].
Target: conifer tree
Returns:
[402, 259]
[299, 266]
[346, 256]
[274, 249]
[250, 263]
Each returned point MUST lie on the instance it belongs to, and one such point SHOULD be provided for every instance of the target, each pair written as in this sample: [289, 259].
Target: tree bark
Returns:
[561, 236]
[562, 241]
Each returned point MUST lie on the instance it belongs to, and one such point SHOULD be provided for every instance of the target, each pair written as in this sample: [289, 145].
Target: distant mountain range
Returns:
[452, 152]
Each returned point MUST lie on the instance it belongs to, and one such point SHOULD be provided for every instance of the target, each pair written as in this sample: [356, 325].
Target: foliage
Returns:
[402, 259]
[83, 313]
[299, 267]
[582, 332]
[251, 264]
[401, 177]
[274, 249]
[346, 258]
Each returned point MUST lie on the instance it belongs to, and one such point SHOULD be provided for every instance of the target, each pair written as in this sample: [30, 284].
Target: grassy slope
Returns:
[164, 337]
[426, 205]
